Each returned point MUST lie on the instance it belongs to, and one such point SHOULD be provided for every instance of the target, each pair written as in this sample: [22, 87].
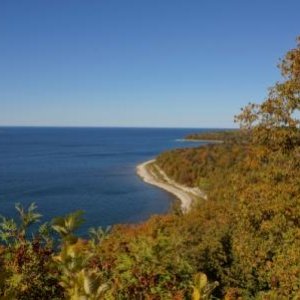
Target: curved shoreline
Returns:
[153, 175]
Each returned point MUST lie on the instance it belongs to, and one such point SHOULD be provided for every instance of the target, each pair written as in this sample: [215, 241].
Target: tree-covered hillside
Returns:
[241, 243]
[220, 135]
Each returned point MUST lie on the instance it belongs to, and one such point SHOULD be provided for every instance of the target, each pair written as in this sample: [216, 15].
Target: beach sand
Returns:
[152, 174]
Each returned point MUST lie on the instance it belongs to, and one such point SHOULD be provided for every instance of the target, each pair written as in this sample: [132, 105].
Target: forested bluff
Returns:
[241, 243]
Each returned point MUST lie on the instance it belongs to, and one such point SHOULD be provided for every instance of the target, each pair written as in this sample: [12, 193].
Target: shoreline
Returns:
[152, 174]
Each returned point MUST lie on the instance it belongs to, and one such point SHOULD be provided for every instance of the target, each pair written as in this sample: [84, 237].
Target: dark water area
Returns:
[93, 169]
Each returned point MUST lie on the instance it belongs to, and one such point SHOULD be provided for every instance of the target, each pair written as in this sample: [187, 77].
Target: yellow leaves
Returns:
[15, 280]
[202, 289]
[92, 285]
[81, 246]
[85, 285]
[196, 294]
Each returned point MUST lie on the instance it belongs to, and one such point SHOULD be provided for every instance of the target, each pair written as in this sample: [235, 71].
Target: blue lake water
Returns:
[93, 169]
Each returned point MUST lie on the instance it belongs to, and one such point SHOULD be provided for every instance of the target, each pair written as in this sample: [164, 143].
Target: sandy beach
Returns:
[152, 174]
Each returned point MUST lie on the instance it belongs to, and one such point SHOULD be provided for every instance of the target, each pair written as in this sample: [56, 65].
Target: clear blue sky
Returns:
[162, 63]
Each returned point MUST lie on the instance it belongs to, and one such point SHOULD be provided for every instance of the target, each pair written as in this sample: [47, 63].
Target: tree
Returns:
[275, 122]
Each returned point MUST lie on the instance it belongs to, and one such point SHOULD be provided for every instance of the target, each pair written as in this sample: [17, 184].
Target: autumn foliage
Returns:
[241, 243]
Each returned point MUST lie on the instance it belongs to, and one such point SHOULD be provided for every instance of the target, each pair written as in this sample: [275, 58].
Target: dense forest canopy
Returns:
[220, 135]
[241, 243]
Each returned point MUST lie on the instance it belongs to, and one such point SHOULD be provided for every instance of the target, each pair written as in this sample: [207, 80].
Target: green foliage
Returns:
[201, 166]
[65, 226]
[241, 243]
[275, 122]
[253, 192]
[77, 278]
[216, 136]
[98, 235]
[27, 269]
[27, 217]
[146, 263]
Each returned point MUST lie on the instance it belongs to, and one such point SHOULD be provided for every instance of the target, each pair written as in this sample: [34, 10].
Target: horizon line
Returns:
[111, 126]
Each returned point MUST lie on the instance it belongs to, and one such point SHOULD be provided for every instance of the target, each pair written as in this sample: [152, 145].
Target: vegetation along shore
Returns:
[151, 173]
[242, 242]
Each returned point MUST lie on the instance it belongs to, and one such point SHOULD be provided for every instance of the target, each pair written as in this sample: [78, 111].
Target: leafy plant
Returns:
[202, 289]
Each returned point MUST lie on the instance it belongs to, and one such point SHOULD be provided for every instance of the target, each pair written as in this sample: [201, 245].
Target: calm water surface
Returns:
[93, 169]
